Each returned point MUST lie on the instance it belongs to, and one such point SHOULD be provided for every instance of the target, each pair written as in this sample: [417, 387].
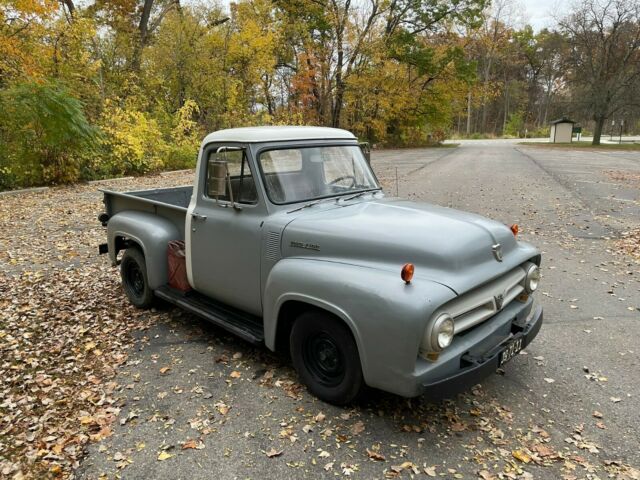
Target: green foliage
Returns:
[44, 135]
[515, 125]
[540, 132]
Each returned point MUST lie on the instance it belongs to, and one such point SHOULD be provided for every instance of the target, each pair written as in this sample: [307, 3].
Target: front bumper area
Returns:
[475, 367]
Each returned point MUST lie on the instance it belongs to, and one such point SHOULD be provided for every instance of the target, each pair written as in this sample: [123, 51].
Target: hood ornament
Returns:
[499, 299]
[497, 251]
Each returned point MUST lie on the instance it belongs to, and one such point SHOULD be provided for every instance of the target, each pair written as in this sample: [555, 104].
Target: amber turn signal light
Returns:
[407, 272]
[515, 229]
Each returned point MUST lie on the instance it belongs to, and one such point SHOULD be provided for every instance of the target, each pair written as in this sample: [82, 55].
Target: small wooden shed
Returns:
[561, 130]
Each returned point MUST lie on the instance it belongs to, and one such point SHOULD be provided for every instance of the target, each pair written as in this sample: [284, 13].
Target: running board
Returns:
[244, 325]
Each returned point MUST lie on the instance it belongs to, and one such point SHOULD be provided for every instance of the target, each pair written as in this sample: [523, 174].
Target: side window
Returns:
[242, 181]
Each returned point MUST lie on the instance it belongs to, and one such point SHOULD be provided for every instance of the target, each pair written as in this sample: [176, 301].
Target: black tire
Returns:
[325, 355]
[133, 271]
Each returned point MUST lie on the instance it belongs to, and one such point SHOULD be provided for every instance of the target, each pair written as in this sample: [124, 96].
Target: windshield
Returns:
[305, 173]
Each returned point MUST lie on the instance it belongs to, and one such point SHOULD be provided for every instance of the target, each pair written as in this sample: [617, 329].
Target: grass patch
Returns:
[587, 145]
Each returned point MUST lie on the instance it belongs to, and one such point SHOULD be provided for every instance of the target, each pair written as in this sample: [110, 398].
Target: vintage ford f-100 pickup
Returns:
[290, 242]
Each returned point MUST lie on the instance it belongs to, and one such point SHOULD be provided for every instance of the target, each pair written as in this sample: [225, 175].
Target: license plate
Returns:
[510, 351]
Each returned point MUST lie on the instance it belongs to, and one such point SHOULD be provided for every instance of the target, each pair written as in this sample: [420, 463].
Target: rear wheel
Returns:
[133, 271]
[326, 357]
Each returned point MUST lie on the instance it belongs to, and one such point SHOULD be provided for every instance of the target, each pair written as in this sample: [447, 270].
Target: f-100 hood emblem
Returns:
[497, 251]
[499, 299]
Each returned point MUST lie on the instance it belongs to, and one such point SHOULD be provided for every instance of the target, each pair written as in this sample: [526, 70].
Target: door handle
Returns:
[197, 216]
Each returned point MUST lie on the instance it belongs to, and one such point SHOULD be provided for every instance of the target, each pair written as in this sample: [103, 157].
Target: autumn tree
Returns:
[603, 59]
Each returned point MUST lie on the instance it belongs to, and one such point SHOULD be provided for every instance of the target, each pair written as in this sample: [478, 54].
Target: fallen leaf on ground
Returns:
[192, 444]
[272, 452]
[222, 408]
[522, 456]
[374, 455]
[357, 428]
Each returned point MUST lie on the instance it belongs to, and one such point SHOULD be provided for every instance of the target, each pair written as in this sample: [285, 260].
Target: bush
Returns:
[132, 143]
[44, 135]
[540, 132]
[515, 125]
[185, 138]
[180, 157]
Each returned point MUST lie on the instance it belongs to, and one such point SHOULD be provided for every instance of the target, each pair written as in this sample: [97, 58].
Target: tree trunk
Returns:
[337, 106]
[597, 133]
[70, 6]
[469, 113]
[487, 73]
[339, 96]
[506, 108]
[143, 31]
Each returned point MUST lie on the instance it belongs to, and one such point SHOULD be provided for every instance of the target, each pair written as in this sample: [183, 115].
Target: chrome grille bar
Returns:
[484, 302]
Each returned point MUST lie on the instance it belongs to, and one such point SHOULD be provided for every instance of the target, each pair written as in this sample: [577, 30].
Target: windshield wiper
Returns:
[359, 194]
[311, 204]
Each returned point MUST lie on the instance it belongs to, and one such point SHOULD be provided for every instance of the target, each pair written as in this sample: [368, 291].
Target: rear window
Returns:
[281, 161]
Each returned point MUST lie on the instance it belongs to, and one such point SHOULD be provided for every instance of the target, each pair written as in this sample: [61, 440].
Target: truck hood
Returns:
[447, 246]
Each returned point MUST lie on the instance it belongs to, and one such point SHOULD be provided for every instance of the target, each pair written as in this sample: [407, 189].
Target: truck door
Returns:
[223, 238]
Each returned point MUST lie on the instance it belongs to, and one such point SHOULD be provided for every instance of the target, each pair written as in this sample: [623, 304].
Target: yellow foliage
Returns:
[185, 131]
[133, 141]
[23, 28]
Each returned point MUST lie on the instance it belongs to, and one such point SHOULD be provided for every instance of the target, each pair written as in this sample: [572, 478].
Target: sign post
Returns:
[613, 124]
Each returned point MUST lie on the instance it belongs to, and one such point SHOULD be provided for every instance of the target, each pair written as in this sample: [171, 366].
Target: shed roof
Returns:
[278, 133]
[561, 120]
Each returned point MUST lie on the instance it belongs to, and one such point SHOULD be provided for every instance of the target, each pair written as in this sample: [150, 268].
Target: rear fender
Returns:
[152, 233]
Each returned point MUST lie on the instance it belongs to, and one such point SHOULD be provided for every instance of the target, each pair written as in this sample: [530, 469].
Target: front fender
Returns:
[386, 316]
[152, 233]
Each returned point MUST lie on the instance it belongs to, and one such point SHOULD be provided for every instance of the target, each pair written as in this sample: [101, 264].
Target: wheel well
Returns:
[289, 311]
[122, 243]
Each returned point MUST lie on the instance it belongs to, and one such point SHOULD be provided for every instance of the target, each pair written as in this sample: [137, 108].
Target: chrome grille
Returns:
[484, 302]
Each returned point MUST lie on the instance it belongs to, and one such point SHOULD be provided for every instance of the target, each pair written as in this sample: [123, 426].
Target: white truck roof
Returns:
[278, 133]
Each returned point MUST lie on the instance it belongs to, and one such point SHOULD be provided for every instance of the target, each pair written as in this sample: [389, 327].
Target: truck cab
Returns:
[290, 242]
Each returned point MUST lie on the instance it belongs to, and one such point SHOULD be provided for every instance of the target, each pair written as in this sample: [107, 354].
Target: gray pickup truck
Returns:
[291, 243]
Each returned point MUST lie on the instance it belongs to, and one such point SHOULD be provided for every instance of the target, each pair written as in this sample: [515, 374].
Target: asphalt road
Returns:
[586, 359]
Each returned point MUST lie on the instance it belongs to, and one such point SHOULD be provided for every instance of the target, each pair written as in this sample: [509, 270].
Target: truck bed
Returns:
[170, 203]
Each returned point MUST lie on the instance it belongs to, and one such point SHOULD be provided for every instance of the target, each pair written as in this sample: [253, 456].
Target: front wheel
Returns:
[133, 271]
[325, 355]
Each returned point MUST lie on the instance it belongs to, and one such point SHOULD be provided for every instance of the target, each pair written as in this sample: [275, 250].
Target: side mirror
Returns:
[218, 172]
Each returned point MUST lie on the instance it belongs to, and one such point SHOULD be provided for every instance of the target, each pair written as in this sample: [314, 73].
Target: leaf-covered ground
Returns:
[65, 328]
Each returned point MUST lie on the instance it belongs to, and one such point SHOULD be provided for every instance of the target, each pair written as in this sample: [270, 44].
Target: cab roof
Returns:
[277, 134]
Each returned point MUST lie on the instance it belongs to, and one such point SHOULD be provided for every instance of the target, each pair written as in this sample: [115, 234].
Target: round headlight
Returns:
[442, 333]
[532, 278]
